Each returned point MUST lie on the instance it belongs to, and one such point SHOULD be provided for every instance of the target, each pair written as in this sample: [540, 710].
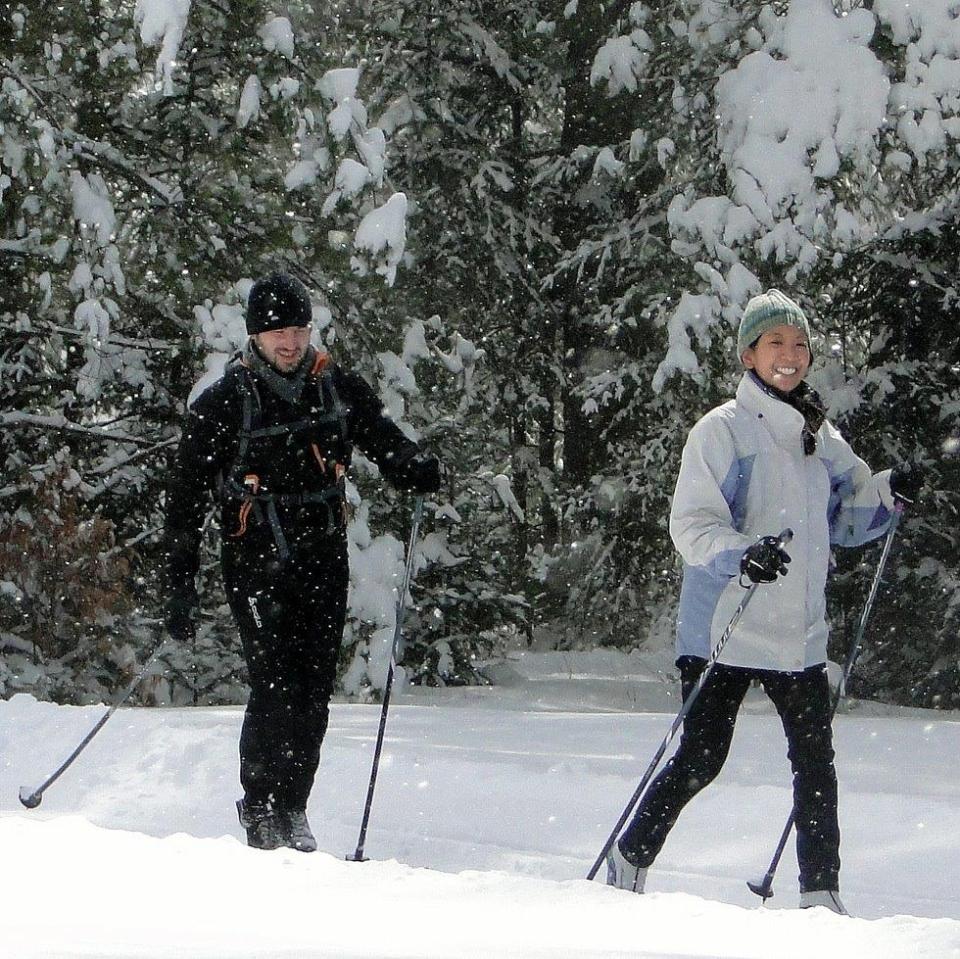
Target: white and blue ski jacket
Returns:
[744, 474]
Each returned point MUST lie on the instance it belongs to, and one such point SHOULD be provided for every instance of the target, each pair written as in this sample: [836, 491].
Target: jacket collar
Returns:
[780, 419]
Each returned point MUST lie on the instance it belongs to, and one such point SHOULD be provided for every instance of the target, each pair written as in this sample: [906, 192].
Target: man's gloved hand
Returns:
[424, 473]
[764, 561]
[181, 613]
[906, 481]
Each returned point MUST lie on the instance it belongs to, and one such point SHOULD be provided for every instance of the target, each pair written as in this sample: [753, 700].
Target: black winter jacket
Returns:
[295, 466]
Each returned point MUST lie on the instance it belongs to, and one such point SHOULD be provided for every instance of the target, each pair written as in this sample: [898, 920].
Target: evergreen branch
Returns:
[112, 340]
[105, 155]
[223, 10]
[15, 490]
[22, 247]
[7, 70]
[139, 454]
[61, 423]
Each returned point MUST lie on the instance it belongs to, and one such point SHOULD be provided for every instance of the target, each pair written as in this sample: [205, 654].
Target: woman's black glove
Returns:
[764, 561]
[906, 481]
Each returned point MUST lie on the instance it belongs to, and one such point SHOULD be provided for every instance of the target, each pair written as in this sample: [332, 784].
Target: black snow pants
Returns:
[802, 700]
[290, 617]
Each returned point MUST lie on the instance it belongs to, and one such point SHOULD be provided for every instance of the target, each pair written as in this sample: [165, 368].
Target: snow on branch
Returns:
[277, 37]
[383, 233]
[32, 421]
[790, 115]
[621, 61]
[102, 154]
[92, 206]
[162, 23]
[504, 491]
[249, 107]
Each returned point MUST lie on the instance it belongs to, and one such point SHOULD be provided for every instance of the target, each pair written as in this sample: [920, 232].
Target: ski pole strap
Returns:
[283, 550]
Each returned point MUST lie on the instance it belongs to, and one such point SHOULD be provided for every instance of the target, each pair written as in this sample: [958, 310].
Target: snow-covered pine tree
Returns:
[156, 158]
[816, 153]
[468, 100]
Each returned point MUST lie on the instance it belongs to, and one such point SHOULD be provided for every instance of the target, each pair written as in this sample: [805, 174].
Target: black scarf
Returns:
[806, 401]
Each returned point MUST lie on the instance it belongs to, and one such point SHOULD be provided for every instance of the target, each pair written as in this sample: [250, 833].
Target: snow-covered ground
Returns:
[491, 805]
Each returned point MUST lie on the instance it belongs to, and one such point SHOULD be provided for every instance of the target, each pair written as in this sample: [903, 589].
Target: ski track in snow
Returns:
[486, 818]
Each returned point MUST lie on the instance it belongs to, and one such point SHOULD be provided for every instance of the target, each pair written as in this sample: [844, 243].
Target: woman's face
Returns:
[781, 357]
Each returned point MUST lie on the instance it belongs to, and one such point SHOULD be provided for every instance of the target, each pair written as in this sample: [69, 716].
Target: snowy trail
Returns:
[486, 819]
[125, 895]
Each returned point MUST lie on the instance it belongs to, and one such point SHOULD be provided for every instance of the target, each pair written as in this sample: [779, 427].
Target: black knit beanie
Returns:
[277, 301]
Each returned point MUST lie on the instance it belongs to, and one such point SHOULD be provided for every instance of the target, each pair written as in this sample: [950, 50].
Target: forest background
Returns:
[533, 225]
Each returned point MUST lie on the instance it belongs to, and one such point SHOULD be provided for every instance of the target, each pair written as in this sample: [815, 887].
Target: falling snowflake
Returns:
[842, 7]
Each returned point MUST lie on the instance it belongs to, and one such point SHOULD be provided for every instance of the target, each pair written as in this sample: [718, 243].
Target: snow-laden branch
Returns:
[102, 154]
[162, 23]
[501, 484]
[23, 247]
[149, 343]
[32, 421]
[7, 69]
[127, 460]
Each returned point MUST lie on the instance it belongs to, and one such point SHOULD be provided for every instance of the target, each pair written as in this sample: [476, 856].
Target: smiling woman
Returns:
[765, 461]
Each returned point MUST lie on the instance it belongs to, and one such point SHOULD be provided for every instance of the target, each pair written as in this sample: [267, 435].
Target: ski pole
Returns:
[414, 529]
[783, 539]
[32, 798]
[764, 888]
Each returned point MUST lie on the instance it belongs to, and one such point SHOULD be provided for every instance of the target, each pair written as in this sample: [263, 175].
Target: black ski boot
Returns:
[265, 829]
[296, 830]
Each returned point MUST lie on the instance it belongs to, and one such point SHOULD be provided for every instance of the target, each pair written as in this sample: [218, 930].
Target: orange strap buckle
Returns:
[251, 483]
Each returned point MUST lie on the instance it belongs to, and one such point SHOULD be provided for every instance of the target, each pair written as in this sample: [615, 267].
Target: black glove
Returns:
[906, 481]
[764, 561]
[180, 616]
[424, 474]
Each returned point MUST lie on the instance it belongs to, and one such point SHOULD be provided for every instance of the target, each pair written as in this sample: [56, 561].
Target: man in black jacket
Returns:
[272, 439]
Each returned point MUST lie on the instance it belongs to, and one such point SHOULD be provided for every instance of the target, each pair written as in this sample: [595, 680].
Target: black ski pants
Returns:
[802, 700]
[291, 620]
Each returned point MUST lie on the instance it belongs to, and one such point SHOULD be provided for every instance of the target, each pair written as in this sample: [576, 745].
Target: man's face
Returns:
[781, 357]
[284, 349]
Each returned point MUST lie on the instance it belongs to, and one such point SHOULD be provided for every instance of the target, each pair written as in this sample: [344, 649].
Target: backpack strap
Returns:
[251, 398]
[323, 371]
[248, 490]
[252, 407]
[339, 410]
